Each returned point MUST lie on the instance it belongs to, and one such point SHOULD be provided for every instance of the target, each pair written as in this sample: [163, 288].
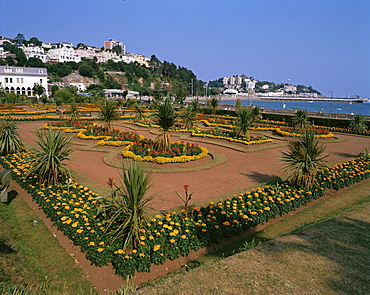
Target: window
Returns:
[10, 80]
[18, 80]
[8, 70]
[6, 80]
[40, 81]
[22, 80]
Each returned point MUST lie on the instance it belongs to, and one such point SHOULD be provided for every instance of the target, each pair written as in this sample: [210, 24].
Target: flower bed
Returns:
[180, 152]
[289, 131]
[72, 207]
[229, 137]
[112, 137]
[68, 126]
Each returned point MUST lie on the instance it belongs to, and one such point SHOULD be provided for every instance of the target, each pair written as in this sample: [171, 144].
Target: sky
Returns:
[320, 43]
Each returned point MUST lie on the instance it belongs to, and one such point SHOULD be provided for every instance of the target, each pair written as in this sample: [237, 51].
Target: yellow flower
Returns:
[156, 247]
[172, 241]
[99, 249]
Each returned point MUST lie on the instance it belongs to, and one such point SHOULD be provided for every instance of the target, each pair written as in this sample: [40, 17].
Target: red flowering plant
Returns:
[186, 199]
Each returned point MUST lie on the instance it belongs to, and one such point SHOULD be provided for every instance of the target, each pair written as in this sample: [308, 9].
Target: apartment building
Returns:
[21, 80]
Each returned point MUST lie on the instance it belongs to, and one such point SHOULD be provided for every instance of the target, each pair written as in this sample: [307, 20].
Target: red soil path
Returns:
[241, 170]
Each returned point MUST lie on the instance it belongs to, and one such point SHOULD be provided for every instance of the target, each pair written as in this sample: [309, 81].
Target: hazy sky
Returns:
[322, 43]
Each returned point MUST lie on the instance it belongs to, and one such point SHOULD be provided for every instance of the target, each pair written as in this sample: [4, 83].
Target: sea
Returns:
[314, 106]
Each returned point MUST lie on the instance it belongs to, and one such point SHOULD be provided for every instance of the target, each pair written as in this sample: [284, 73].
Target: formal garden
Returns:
[121, 228]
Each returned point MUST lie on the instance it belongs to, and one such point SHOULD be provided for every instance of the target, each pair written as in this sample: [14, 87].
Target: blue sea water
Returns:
[325, 107]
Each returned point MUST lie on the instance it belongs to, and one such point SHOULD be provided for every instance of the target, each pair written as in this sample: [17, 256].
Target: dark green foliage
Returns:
[303, 160]
[9, 139]
[55, 147]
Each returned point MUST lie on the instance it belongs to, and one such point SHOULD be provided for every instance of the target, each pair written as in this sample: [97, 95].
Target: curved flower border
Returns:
[162, 160]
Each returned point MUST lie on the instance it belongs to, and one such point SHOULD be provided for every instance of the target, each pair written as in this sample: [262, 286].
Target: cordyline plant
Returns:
[165, 117]
[358, 124]
[108, 112]
[303, 160]
[9, 139]
[55, 147]
[300, 120]
[124, 213]
[245, 118]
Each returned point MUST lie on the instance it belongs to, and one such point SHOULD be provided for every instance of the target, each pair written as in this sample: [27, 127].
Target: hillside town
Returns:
[25, 63]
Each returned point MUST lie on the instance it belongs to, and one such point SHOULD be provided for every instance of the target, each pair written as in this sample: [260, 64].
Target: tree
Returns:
[74, 114]
[108, 112]
[19, 39]
[238, 103]
[64, 95]
[35, 41]
[86, 70]
[34, 62]
[214, 104]
[38, 89]
[358, 124]
[9, 138]
[139, 110]
[124, 214]
[117, 49]
[165, 117]
[55, 147]
[300, 119]
[303, 160]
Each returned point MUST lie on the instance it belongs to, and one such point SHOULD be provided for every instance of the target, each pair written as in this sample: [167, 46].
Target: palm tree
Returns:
[55, 147]
[300, 119]
[124, 213]
[303, 160]
[9, 138]
[214, 104]
[358, 124]
[165, 117]
[245, 118]
[108, 112]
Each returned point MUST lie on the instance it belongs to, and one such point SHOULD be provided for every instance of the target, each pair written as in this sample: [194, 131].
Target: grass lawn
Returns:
[325, 255]
[32, 259]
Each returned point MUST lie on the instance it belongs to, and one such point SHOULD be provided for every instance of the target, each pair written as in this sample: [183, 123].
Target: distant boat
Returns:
[311, 101]
[339, 109]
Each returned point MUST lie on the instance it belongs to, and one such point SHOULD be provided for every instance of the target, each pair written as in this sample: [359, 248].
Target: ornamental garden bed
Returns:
[179, 152]
[72, 207]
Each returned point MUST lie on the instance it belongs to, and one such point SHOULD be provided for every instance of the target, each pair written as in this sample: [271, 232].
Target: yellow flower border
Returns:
[194, 133]
[162, 160]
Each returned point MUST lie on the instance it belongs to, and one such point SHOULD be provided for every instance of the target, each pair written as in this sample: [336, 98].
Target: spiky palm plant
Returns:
[74, 114]
[139, 109]
[108, 112]
[303, 160]
[358, 124]
[55, 147]
[165, 117]
[194, 106]
[124, 214]
[300, 120]
[9, 139]
[214, 104]
[245, 118]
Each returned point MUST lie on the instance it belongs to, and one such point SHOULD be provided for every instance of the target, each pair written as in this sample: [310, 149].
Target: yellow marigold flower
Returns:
[134, 251]
[266, 208]
[151, 237]
[204, 230]
[172, 241]
[156, 247]
[141, 254]
[142, 238]
[226, 223]
[120, 251]
[79, 231]
[91, 244]
[99, 249]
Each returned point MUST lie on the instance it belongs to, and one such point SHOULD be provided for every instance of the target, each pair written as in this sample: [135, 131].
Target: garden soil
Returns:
[240, 170]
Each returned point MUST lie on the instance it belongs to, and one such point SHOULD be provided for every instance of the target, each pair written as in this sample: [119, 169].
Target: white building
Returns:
[21, 80]
[35, 51]
[290, 88]
[250, 84]
[64, 52]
